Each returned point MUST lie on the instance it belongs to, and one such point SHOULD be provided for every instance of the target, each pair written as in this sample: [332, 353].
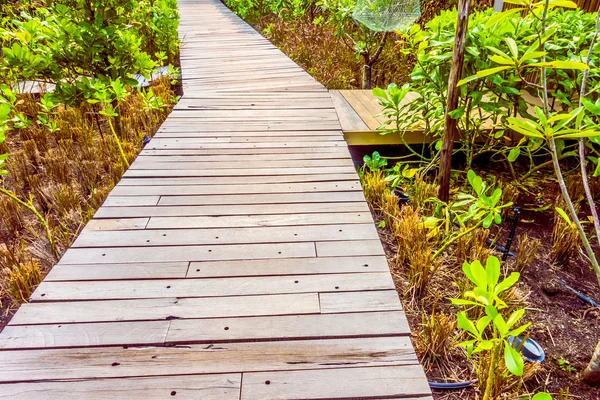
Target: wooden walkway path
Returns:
[237, 259]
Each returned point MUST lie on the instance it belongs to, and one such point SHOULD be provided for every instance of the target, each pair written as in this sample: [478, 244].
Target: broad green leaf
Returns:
[515, 317]
[530, 55]
[518, 331]
[464, 323]
[484, 345]
[591, 107]
[513, 360]
[542, 396]
[492, 266]
[514, 154]
[559, 64]
[501, 60]
[507, 283]
[500, 16]
[479, 274]
[378, 92]
[512, 46]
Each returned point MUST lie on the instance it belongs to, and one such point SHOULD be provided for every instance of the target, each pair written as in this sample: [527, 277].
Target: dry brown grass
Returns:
[68, 174]
[527, 250]
[565, 237]
[434, 337]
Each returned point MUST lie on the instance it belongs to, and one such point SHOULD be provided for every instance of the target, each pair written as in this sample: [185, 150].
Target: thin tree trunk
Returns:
[366, 77]
[591, 375]
[451, 124]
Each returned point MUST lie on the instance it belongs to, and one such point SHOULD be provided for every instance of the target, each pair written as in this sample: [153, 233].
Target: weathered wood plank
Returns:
[350, 248]
[259, 220]
[292, 266]
[23, 366]
[165, 308]
[182, 237]
[210, 287]
[225, 210]
[139, 173]
[186, 253]
[385, 300]
[186, 387]
[91, 272]
[84, 335]
[275, 198]
[116, 224]
[390, 382]
[249, 181]
[304, 187]
[293, 327]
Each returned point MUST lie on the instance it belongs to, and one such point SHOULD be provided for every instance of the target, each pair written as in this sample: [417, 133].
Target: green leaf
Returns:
[513, 360]
[479, 274]
[378, 92]
[512, 46]
[501, 60]
[507, 283]
[559, 64]
[591, 107]
[500, 16]
[515, 317]
[514, 154]
[563, 214]
[464, 323]
[492, 267]
[542, 396]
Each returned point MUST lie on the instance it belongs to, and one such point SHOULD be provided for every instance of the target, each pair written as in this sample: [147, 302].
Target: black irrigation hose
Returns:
[451, 385]
[579, 294]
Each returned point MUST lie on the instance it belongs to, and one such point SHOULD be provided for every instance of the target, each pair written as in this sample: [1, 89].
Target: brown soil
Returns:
[566, 327]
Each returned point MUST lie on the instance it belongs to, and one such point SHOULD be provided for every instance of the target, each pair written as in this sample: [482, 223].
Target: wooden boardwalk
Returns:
[237, 259]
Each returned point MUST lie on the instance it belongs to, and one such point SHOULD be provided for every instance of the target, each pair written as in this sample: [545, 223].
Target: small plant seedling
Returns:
[374, 162]
[490, 332]
[565, 365]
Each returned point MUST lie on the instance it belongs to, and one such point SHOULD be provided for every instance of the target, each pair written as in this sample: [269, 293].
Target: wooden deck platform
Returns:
[237, 258]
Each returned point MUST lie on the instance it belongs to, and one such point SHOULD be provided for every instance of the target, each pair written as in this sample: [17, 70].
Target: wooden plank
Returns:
[186, 387]
[182, 237]
[116, 224]
[350, 248]
[239, 180]
[23, 366]
[167, 163]
[360, 109]
[303, 187]
[293, 327]
[186, 253]
[84, 335]
[274, 198]
[384, 300]
[89, 272]
[225, 210]
[389, 382]
[182, 171]
[249, 151]
[349, 119]
[210, 287]
[116, 201]
[292, 266]
[259, 220]
[165, 308]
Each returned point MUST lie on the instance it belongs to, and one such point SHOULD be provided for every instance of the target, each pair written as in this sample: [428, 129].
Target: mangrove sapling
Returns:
[489, 334]
[107, 95]
[483, 210]
[364, 42]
